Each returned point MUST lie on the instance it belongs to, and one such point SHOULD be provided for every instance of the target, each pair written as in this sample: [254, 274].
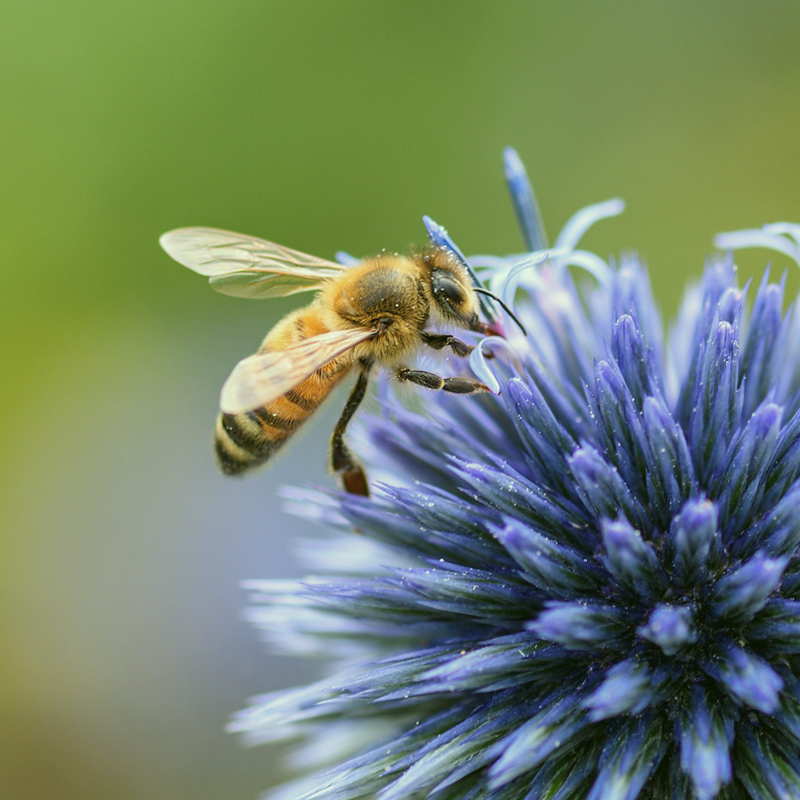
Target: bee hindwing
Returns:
[262, 378]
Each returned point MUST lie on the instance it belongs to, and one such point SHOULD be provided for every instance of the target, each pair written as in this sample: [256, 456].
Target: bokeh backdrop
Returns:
[322, 126]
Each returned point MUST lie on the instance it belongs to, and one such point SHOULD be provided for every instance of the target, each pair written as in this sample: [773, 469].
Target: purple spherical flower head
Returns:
[585, 587]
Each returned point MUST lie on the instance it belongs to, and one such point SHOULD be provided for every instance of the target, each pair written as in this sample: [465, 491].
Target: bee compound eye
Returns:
[449, 288]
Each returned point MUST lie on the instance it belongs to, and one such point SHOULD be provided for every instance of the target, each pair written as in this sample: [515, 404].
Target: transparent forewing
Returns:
[259, 379]
[245, 266]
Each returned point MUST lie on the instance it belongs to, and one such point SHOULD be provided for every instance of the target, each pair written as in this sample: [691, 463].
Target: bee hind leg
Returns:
[430, 380]
[343, 462]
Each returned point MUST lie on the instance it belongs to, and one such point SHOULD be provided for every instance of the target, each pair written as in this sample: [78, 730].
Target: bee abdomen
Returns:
[243, 441]
[236, 448]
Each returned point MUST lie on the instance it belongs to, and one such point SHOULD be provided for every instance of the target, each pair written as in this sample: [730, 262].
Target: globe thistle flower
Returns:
[587, 586]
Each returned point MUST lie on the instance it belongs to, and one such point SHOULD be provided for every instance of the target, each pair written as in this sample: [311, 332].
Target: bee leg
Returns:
[343, 461]
[430, 380]
[440, 341]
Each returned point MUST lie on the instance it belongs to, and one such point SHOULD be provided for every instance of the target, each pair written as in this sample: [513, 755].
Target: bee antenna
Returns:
[505, 308]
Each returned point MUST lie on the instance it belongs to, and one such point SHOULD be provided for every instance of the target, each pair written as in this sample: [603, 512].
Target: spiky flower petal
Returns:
[586, 587]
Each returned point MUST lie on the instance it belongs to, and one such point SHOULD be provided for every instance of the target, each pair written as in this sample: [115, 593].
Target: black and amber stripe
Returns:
[243, 441]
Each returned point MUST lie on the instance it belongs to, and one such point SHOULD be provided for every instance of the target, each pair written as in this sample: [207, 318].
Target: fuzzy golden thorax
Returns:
[383, 293]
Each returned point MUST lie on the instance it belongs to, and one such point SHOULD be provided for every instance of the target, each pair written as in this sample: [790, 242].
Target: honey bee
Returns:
[371, 314]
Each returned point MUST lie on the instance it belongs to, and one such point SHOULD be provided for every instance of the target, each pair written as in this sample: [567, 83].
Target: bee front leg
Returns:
[440, 341]
[430, 380]
[343, 461]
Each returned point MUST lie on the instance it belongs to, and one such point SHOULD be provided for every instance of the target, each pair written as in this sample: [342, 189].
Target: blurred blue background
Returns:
[322, 126]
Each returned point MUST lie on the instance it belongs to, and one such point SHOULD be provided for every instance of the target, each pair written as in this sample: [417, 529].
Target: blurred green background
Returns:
[322, 126]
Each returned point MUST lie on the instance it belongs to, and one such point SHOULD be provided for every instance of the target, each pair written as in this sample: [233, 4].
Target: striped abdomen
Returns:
[246, 440]
[242, 441]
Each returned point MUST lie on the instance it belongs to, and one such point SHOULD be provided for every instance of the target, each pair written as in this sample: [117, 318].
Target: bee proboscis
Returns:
[371, 314]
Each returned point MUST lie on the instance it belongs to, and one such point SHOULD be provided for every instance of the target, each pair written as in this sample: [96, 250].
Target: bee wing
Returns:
[259, 379]
[245, 266]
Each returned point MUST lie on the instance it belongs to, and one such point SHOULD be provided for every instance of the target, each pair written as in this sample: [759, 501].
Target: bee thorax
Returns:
[377, 295]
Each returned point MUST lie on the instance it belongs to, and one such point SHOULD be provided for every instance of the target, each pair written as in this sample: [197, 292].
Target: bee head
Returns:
[454, 299]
